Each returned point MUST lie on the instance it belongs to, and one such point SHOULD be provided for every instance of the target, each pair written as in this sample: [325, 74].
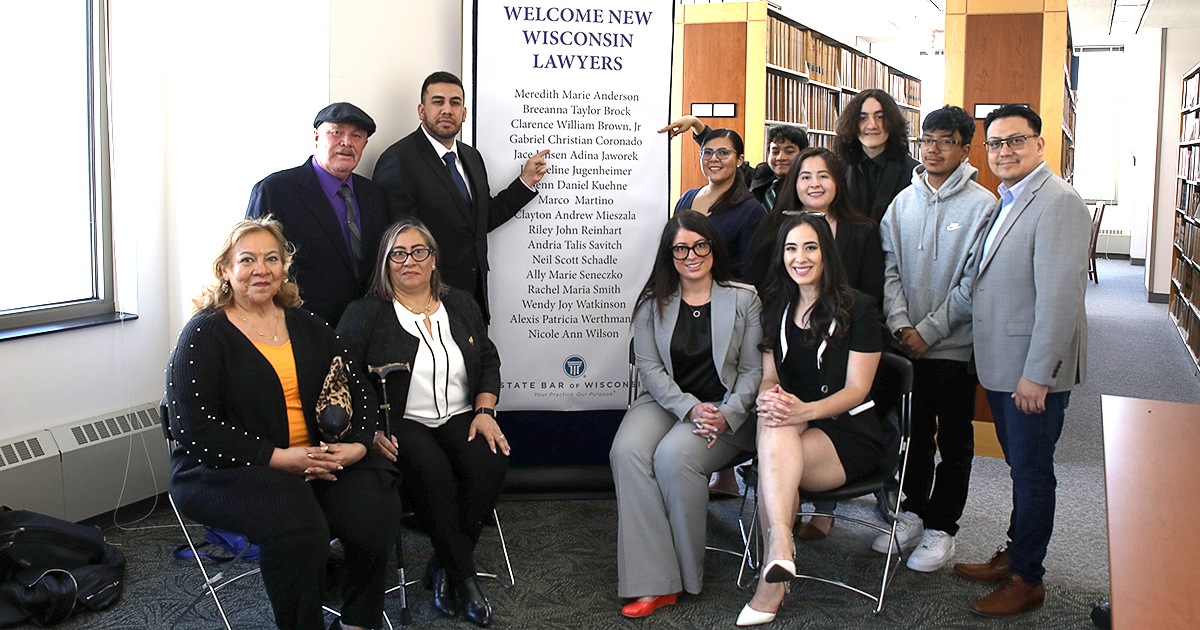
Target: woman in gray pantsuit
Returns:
[695, 341]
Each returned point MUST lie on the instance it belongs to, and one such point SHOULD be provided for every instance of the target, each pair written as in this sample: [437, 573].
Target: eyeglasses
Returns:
[701, 249]
[942, 143]
[723, 154]
[398, 256]
[1016, 143]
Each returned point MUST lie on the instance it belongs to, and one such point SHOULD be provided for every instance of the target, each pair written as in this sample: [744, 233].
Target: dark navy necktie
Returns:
[455, 177]
[347, 196]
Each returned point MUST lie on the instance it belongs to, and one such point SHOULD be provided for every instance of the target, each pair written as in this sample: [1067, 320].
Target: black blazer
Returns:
[861, 251]
[322, 267]
[373, 336]
[897, 175]
[418, 184]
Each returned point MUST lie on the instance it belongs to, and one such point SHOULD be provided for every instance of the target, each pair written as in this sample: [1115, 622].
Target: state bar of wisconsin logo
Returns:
[574, 366]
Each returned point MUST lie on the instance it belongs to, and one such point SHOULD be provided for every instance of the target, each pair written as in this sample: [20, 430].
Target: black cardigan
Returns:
[373, 336]
[226, 403]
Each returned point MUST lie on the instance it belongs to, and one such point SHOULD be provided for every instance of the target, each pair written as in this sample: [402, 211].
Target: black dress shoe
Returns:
[475, 605]
[436, 581]
[1102, 614]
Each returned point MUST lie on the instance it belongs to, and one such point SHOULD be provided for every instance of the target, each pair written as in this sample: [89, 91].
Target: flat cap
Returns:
[345, 113]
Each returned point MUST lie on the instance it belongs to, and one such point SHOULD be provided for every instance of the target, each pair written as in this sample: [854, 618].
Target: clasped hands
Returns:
[709, 421]
[778, 408]
[911, 342]
[321, 462]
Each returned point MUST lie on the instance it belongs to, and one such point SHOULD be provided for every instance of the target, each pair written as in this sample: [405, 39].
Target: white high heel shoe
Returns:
[779, 571]
[751, 617]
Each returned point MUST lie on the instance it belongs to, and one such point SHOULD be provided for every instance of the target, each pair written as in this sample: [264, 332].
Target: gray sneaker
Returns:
[909, 530]
[935, 550]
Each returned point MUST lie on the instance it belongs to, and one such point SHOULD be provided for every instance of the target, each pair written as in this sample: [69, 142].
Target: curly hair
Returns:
[215, 296]
[847, 144]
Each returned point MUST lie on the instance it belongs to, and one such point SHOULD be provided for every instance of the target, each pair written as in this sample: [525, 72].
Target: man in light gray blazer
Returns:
[1030, 342]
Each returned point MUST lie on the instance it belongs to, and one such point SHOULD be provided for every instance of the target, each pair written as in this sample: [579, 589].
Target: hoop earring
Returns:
[225, 287]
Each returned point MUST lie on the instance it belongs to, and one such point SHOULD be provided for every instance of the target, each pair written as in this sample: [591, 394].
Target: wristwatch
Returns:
[487, 410]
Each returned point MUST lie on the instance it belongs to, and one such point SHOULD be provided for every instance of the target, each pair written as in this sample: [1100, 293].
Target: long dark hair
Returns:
[783, 293]
[841, 209]
[847, 144]
[738, 192]
[664, 279]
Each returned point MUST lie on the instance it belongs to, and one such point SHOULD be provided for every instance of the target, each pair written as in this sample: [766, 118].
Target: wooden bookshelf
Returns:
[1185, 266]
[775, 70]
[1030, 64]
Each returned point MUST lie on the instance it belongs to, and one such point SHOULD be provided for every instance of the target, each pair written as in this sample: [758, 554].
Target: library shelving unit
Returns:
[1030, 63]
[775, 71]
[1185, 267]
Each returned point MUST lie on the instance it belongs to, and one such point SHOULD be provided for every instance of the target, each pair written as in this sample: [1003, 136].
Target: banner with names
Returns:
[591, 83]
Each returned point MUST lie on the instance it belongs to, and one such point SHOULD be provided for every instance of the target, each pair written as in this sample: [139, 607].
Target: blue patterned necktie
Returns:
[455, 177]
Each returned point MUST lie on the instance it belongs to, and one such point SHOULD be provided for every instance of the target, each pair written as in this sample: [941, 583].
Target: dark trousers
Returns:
[454, 486]
[293, 521]
[1028, 443]
[943, 406]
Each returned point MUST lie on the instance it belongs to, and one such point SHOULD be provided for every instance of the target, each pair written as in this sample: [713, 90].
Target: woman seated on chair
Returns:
[695, 341]
[242, 389]
[442, 433]
[816, 426]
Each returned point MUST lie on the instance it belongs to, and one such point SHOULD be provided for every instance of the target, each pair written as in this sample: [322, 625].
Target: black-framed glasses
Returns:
[1016, 143]
[420, 254]
[701, 249]
[723, 153]
[942, 143]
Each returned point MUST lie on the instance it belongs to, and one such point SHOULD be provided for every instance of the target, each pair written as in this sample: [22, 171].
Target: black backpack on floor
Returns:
[50, 567]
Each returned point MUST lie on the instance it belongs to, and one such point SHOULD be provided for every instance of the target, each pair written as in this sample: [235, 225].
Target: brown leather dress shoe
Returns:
[1012, 597]
[993, 570]
[811, 531]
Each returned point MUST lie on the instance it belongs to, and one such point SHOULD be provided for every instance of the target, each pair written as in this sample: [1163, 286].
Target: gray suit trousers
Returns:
[661, 470]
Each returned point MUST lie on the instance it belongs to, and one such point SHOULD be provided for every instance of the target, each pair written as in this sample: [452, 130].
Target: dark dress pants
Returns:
[454, 485]
[292, 522]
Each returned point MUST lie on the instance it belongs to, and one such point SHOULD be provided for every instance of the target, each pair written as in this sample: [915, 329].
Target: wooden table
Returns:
[1152, 485]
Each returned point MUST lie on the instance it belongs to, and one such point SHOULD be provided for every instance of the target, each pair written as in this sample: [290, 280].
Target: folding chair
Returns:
[896, 371]
[216, 581]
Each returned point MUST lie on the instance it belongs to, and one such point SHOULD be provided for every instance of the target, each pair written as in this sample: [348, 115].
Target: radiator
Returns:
[1113, 242]
[87, 467]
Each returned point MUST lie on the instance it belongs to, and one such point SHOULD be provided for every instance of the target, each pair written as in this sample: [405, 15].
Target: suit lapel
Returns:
[1018, 207]
[435, 163]
[665, 326]
[724, 310]
[317, 204]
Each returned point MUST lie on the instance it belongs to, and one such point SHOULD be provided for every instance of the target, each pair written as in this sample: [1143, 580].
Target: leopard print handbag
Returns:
[334, 408]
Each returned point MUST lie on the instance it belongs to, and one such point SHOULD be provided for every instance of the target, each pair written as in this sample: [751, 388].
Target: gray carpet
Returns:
[564, 551]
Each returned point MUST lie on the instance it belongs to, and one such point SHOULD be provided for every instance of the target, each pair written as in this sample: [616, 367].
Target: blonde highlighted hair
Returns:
[215, 296]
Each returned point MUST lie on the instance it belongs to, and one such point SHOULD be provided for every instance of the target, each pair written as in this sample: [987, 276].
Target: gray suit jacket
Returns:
[736, 333]
[1028, 312]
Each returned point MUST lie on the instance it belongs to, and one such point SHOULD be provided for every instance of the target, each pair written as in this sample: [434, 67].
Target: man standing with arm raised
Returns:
[443, 182]
[1030, 338]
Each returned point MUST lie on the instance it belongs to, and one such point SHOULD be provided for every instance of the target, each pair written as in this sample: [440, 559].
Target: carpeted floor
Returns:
[563, 552]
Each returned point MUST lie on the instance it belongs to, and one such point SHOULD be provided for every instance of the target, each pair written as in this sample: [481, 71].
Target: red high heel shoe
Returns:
[637, 609]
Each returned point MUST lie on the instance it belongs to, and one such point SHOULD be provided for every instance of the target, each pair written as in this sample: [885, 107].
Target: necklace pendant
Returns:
[275, 338]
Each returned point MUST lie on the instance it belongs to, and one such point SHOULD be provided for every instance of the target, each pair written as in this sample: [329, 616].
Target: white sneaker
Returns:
[909, 530]
[935, 550]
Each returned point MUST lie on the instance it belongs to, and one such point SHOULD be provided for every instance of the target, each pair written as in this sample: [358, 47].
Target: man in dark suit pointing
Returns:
[333, 217]
[443, 182]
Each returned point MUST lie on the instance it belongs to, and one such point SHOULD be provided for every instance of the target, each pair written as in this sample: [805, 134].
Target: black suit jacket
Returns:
[897, 175]
[418, 184]
[322, 267]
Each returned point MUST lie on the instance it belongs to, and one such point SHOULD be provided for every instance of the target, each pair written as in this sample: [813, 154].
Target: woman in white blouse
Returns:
[443, 434]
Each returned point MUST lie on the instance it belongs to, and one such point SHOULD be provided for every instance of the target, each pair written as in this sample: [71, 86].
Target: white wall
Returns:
[208, 98]
[1139, 135]
[1182, 52]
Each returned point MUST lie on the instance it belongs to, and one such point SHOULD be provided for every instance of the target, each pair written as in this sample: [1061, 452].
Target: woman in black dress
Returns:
[817, 428]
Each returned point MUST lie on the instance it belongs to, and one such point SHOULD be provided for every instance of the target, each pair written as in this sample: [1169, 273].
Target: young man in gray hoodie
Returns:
[927, 235]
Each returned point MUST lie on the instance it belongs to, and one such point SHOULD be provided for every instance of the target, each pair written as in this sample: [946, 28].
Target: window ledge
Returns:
[66, 324]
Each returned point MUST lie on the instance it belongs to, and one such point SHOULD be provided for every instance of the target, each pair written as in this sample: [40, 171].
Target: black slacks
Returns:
[292, 522]
[454, 485]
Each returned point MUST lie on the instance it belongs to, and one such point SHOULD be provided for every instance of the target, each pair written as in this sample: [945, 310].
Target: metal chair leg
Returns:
[208, 580]
[512, 579]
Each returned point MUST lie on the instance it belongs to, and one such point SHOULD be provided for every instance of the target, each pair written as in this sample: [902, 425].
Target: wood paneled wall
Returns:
[715, 58]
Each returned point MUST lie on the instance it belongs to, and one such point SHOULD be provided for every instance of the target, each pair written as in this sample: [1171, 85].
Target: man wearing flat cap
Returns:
[334, 217]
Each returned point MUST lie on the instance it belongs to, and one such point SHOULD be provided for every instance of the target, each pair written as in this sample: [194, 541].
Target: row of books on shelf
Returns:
[1189, 324]
[1191, 90]
[1188, 279]
[1068, 161]
[1189, 127]
[793, 100]
[1068, 110]
[1187, 199]
[1187, 238]
[1189, 162]
[913, 118]
[802, 50]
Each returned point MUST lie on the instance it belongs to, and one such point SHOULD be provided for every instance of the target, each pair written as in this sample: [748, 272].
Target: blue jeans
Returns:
[1028, 443]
